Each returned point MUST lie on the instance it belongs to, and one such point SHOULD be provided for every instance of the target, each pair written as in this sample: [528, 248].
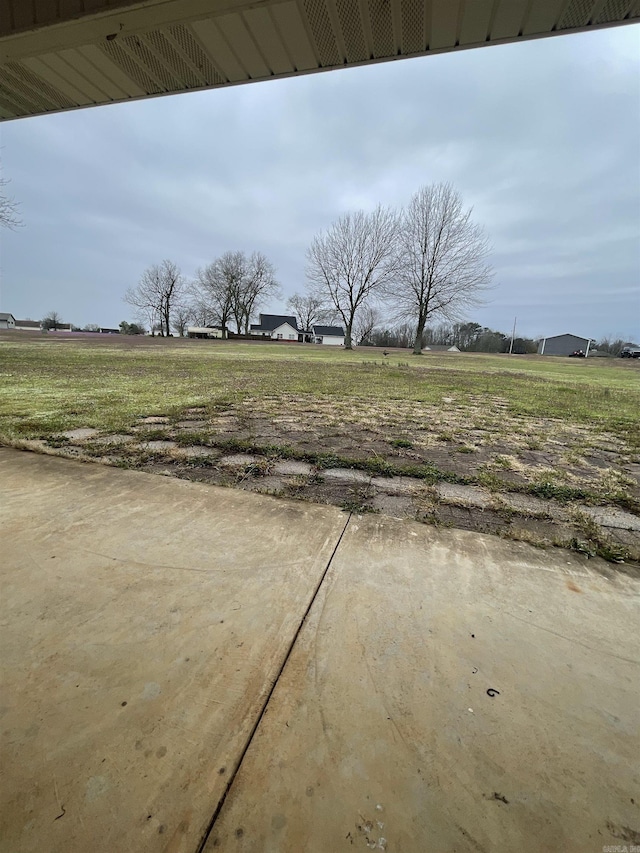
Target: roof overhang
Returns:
[63, 54]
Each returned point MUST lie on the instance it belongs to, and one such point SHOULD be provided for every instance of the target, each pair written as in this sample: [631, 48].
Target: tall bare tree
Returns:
[156, 294]
[233, 287]
[443, 253]
[353, 261]
[215, 290]
[257, 286]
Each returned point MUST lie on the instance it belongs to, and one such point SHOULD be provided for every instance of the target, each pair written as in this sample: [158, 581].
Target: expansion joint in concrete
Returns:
[265, 705]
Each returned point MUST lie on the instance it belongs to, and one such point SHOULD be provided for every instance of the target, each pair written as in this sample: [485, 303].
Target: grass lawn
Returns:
[53, 384]
[558, 429]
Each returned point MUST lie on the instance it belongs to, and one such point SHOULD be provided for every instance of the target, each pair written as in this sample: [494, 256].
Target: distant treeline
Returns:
[607, 346]
[468, 337]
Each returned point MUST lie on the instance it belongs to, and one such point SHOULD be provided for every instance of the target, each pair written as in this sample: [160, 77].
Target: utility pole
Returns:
[513, 334]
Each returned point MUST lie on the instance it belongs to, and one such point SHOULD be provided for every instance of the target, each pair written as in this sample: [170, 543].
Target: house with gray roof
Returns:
[7, 321]
[278, 327]
[332, 336]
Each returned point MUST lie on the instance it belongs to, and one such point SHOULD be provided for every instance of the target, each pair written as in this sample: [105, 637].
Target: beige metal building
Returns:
[63, 54]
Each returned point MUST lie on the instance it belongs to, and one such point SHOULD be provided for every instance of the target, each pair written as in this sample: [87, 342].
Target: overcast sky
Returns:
[542, 138]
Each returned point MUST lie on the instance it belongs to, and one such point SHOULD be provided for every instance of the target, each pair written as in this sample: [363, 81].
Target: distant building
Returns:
[332, 336]
[109, 331]
[564, 345]
[7, 321]
[204, 332]
[440, 348]
[276, 326]
[28, 325]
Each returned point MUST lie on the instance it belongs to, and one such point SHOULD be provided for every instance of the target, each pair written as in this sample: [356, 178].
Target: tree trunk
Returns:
[417, 344]
[347, 338]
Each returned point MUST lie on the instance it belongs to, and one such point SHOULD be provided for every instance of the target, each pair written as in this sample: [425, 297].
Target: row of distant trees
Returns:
[230, 289]
[468, 337]
[610, 346]
[428, 260]
[53, 321]
[371, 330]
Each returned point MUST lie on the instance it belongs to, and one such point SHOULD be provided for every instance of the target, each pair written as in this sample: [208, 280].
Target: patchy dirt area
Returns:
[471, 464]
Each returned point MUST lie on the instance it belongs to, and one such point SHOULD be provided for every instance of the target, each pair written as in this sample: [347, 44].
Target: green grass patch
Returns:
[401, 442]
[51, 385]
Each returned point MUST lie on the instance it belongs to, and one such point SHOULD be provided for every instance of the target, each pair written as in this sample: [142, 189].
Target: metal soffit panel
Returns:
[110, 50]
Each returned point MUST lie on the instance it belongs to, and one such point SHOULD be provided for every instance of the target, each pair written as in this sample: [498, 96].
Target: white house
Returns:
[332, 336]
[7, 321]
[275, 326]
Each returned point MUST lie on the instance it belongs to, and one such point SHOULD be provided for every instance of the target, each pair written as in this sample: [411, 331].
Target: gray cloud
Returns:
[542, 138]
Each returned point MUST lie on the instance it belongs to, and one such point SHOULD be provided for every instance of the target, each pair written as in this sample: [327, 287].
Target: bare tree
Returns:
[9, 215]
[156, 294]
[52, 321]
[366, 320]
[146, 300]
[182, 316]
[216, 288]
[444, 267]
[234, 286]
[309, 309]
[353, 261]
[201, 313]
[257, 286]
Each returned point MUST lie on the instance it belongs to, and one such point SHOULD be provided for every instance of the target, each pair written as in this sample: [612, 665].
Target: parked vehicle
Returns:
[630, 352]
[577, 353]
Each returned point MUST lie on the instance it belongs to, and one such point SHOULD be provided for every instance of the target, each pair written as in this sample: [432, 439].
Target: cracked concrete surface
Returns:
[570, 522]
[188, 668]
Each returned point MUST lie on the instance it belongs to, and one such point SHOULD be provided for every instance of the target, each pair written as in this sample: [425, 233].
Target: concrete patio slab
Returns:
[144, 622]
[449, 692]
[190, 669]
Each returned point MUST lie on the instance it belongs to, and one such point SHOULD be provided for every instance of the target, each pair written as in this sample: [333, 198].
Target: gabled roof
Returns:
[333, 331]
[567, 335]
[269, 322]
[4, 316]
